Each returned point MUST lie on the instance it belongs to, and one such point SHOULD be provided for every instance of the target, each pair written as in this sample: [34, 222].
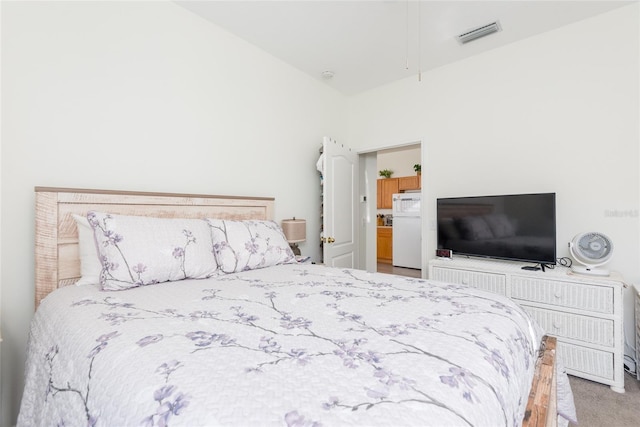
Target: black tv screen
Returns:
[518, 227]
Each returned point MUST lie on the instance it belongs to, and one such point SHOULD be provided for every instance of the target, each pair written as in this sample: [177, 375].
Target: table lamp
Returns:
[295, 230]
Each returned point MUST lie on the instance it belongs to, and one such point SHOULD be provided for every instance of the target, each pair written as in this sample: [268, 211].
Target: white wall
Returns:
[143, 96]
[399, 160]
[558, 112]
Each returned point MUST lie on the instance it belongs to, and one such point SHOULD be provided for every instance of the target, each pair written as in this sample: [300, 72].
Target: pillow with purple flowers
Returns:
[136, 250]
[249, 244]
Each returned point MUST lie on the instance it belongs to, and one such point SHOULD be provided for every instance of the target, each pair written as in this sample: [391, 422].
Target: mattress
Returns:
[295, 345]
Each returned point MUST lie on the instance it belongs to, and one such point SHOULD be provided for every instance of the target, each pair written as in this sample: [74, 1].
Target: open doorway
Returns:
[377, 246]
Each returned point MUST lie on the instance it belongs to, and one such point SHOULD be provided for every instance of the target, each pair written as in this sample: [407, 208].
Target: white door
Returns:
[339, 224]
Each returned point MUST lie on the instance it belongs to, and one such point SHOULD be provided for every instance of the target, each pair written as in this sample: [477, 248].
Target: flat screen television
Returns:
[517, 227]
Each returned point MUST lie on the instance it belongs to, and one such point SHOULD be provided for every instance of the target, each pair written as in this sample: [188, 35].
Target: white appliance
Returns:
[592, 250]
[407, 233]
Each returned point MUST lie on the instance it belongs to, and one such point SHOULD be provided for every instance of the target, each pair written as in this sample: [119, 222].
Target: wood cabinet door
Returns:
[409, 183]
[385, 244]
[379, 194]
[389, 188]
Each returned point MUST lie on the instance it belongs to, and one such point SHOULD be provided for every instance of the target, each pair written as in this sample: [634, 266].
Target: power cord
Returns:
[564, 261]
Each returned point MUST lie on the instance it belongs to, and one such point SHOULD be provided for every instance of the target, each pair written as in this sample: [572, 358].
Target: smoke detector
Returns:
[327, 75]
[479, 32]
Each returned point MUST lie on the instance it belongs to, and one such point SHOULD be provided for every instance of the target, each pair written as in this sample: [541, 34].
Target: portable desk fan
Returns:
[591, 250]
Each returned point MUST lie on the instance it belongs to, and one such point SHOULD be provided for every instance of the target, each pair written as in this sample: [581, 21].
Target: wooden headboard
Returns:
[57, 260]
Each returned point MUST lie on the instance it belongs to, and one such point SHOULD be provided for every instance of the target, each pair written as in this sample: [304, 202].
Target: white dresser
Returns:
[583, 312]
[637, 332]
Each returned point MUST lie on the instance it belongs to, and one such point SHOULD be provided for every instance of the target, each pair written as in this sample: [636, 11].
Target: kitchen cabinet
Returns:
[385, 245]
[385, 191]
[406, 183]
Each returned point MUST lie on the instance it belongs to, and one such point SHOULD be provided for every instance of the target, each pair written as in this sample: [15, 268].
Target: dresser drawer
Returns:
[586, 360]
[598, 299]
[593, 330]
[496, 283]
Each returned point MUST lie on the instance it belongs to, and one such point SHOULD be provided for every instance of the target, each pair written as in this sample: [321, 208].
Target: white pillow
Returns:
[136, 250]
[249, 244]
[90, 266]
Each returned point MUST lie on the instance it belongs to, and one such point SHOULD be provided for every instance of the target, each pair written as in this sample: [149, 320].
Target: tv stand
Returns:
[583, 312]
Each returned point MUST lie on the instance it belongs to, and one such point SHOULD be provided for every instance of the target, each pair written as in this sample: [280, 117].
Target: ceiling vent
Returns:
[476, 33]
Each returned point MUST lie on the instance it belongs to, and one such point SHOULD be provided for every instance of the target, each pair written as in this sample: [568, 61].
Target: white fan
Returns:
[592, 250]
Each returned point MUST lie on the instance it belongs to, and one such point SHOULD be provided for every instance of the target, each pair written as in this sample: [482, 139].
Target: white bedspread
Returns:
[296, 345]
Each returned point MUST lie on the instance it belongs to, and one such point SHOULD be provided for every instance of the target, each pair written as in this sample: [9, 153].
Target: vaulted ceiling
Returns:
[365, 44]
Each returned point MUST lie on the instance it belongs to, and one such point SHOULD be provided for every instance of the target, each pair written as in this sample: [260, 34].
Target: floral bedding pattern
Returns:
[294, 345]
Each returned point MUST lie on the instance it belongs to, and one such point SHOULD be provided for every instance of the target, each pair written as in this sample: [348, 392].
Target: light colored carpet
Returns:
[598, 406]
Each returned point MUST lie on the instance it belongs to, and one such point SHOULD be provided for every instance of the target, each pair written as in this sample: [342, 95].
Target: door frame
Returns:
[368, 176]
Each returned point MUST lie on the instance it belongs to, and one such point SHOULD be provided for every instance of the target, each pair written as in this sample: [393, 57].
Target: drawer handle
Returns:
[556, 326]
[558, 295]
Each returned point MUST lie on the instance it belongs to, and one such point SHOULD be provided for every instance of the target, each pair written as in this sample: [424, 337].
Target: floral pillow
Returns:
[136, 251]
[249, 244]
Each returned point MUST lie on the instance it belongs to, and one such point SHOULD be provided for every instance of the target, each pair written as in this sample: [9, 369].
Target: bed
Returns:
[268, 343]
